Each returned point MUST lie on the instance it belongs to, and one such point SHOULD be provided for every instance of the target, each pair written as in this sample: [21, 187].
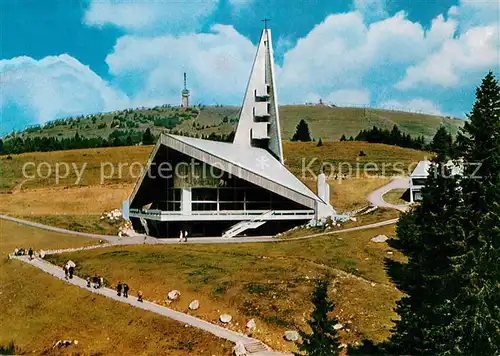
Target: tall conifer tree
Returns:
[323, 339]
[427, 236]
[475, 329]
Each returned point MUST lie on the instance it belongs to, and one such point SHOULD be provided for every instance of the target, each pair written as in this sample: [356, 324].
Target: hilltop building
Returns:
[211, 188]
[418, 177]
[417, 180]
[185, 94]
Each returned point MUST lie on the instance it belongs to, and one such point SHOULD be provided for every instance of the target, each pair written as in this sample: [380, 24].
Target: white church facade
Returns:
[211, 188]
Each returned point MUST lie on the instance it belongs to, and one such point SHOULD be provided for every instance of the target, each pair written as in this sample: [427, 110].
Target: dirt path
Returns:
[223, 333]
[58, 229]
[142, 239]
[377, 196]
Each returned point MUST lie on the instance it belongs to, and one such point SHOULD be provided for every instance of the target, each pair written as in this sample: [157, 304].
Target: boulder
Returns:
[291, 335]
[195, 304]
[251, 325]
[338, 326]
[174, 294]
[225, 318]
[379, 238]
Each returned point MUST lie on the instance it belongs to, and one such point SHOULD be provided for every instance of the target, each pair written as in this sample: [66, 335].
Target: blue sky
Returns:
[62, 58]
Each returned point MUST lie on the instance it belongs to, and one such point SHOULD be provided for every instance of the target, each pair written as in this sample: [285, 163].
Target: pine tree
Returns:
[479, 142]
[442, 143]
[302, 132]
[395, 137]
[320, 143]
[147, 137]
[323, 340]
[427, 236]
[475, 329]
[343, 138]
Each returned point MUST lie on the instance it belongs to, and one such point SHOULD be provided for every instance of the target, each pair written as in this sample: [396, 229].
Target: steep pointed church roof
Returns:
[259, 124]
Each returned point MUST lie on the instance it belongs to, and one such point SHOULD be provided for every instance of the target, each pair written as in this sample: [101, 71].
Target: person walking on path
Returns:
[185, 236]
[88, 282]
[125, 290]
[30, 253]
[181, 236]
[139, 296]
[119, 289]
[70, 266]
[65, 268]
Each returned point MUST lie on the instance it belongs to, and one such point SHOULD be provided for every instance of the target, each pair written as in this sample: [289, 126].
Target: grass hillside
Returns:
[38, 310]
[326, 122]
[332, 123]
[77, 203]
[270, 283]
[92, 161]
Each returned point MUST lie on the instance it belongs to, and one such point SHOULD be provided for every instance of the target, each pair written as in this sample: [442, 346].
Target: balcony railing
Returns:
[277, 214]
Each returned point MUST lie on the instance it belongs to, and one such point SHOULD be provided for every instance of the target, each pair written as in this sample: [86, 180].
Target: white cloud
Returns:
[475, 51]
[148, 16]
[55, 86]
[473, 13]
[371, 9]
[416, 105]
[349, 58]
[344, 52]
[465, 53]
[349, 97]
[217, 65]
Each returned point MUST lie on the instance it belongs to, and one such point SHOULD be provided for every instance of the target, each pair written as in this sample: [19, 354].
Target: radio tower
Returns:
[185, 94]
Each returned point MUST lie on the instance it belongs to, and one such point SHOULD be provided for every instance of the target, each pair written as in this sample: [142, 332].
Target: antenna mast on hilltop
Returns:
[185, 94]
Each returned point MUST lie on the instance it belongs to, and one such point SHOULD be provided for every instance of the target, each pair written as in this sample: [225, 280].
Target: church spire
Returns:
[259, 124]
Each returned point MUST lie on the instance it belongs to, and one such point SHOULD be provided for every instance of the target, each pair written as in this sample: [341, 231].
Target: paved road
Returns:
[142, 239]
[216, 330]
[57, 229]
[377, 196]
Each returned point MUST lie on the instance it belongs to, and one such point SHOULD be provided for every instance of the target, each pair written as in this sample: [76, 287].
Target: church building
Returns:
[210, 188]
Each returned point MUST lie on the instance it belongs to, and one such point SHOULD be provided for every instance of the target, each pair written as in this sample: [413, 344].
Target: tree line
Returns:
[19, 144]
[117, 138]
[392, 137]
[442, 140]
[450, 277]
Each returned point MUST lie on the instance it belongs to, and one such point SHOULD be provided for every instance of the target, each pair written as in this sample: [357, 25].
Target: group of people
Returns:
[124, 288]
[21, 252]
[95, 282]
[183, 236]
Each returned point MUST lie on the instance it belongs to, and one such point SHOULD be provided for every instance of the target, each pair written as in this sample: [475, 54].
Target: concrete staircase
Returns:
[245, 225]
[253, 348]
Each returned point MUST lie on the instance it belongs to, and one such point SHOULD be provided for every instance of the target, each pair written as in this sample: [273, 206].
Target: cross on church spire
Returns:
[266, 20]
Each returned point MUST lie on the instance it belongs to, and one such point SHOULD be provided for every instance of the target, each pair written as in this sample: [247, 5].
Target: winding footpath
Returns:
[377, 196]
[142, 239]
[109, 238]
[249, 343]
